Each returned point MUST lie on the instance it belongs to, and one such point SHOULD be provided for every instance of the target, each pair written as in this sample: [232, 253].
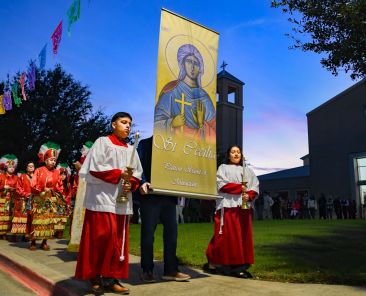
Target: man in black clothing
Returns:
[152, 209]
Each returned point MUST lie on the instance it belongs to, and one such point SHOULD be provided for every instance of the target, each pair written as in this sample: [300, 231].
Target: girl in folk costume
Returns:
[231, 248]
[8, 182]
[22, 204]
[46, 184]
[103, 252]
[63, 201]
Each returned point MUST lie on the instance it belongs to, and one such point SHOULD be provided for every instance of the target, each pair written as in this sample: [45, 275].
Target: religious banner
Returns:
[184, 140]
[78, 218]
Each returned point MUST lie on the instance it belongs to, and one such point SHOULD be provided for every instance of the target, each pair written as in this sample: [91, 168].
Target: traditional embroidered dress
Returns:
[7, 201]
[21, 215]
[232, 243]
[7, 195]
[63, 200]
[44, 205]
[104, 241]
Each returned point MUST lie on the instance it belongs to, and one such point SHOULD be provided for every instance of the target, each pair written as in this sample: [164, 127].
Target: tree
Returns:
[58, 110]
[335, 27]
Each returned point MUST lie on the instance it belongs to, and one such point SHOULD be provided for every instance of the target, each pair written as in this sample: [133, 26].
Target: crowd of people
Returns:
[35, 204]
[304, 207]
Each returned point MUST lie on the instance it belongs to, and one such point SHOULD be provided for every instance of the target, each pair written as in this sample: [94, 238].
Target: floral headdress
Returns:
[8, 159]
[48, 150]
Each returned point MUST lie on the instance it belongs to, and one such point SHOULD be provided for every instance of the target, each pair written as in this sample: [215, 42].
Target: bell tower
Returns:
[229, 112]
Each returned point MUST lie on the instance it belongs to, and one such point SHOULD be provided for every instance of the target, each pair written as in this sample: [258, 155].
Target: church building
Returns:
[336, 163]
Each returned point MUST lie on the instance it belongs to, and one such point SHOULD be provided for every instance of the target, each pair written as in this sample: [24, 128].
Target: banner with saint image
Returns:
[184, 139]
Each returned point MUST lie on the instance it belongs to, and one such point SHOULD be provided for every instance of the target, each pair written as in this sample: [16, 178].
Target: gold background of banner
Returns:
[181, 162]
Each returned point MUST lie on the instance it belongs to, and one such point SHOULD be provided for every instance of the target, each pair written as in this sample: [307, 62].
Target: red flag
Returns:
[56, 37]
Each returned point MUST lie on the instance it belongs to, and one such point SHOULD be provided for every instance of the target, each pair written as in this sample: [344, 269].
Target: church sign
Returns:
[184, 142]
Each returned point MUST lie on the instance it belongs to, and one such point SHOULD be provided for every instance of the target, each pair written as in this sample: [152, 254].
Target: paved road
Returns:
[10, 287]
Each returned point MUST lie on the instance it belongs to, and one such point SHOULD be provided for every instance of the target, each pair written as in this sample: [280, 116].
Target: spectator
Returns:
[352, 208]
[267, 204]
[283, 205]
[322, 203]
[312, 207]
[180, 206]
[337, 208]
[330, 208]
[259, 204]
[296, 205]
[344, 208]
[305, 208]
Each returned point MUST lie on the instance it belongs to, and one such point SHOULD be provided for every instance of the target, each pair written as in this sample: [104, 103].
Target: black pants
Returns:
[154, 209]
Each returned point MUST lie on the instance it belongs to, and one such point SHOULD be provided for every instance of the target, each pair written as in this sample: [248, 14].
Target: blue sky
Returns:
[113, 50]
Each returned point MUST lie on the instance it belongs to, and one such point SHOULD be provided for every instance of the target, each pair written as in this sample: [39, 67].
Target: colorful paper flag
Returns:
[42, 57]
[56, 38]
[7, 103]
[73, 14]
[22, 82]
[31, 76]
[14, 92]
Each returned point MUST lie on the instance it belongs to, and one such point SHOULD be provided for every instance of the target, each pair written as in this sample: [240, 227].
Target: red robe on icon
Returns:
[232, 243]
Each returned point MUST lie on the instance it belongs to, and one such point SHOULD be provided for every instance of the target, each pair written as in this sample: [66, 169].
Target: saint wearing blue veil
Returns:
[183, 105]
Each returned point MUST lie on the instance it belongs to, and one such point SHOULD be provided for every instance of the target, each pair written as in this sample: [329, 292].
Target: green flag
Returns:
[73, 14]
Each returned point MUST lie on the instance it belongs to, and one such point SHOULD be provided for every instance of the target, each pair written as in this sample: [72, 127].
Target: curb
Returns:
[32, 280]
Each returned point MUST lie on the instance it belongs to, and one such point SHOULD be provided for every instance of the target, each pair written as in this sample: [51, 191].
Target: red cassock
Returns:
[99, 228]
[104, 234]
[232, 243]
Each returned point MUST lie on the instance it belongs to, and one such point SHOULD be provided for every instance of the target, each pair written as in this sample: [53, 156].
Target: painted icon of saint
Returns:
[183, 105]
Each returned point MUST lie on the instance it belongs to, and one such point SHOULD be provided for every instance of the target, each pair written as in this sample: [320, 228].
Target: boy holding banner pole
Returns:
[103, 252]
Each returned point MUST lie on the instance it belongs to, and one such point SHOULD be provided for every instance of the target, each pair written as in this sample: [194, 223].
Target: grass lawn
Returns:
[306, 251]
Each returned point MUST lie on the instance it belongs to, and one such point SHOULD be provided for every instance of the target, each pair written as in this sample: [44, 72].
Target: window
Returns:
[231, 98]
[231, 95]
[361, 168]
[363, 194]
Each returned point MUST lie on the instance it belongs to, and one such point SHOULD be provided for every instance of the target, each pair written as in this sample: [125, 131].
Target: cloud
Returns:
[275, 136]
[247, 24]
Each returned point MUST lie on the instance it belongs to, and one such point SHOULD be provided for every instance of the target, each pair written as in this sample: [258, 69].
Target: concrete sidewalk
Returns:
[51, 273]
